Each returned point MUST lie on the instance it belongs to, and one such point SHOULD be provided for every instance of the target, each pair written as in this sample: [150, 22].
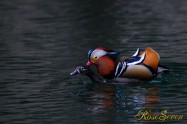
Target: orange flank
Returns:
[138, 72]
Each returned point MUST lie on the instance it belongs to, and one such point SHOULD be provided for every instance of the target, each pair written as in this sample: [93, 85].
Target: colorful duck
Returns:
[110, 65]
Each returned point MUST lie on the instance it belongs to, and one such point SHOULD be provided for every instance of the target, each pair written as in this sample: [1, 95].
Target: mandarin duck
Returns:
[109, 65]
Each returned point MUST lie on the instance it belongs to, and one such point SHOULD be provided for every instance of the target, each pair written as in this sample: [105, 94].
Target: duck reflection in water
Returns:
[120, 98]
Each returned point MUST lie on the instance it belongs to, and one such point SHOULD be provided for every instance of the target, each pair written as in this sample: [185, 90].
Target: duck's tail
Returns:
[162, 69]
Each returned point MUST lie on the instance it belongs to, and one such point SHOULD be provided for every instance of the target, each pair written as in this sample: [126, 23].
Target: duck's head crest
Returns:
[94, 55]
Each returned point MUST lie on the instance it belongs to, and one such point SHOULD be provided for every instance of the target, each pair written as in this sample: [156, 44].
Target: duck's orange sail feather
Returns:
[152, 59]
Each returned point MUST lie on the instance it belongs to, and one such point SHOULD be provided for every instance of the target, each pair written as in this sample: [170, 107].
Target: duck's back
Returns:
[146, 69]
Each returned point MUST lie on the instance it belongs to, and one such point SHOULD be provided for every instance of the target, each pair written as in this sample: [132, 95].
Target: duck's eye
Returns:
[96, 57]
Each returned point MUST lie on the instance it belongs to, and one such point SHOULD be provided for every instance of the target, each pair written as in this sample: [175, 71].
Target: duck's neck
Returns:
[95, 77]
[106, 68]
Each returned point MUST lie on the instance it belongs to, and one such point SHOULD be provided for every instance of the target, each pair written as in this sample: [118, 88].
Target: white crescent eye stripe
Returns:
[98, 53]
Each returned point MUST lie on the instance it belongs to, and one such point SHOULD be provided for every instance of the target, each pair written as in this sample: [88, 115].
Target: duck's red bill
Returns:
[88, 63]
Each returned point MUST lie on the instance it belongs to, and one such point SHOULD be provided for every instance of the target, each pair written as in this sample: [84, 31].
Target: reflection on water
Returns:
[152, 98]
[41, 42]
[114, 99]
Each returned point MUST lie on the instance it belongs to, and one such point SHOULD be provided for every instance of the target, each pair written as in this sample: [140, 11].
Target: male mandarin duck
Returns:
[110, 65]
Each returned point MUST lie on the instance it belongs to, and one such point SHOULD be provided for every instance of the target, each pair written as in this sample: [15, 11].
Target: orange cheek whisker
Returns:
[106, 66]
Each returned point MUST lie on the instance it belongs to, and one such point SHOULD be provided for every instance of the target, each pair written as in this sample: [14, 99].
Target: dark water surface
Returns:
[41, 42]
